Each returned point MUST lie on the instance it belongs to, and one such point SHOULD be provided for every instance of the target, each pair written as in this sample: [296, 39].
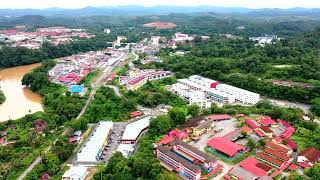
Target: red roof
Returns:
[292, 144]
[292, 167]
[136, 80]
[85, 72]
[179, 134]
[217, 117]
[278, 139]
[280, 148]
[288, 132]
[246, 129]
[251, 123]
[250, 163]
[265, 129]
[312, 154]
[73, 139]
[284, 123]
[78, 79]
[2, 140]
[136, 113]
[259, 132]
[165, 140]
[225, 146]
[304, 164]
[240, 115]
[267, 120]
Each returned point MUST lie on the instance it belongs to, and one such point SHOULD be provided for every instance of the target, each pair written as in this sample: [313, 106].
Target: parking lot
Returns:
[113, 141]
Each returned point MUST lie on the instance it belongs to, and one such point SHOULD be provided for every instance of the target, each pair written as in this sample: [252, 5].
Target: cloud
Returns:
[224, 3]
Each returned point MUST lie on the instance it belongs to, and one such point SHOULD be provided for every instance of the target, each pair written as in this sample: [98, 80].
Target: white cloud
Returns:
[223, 3]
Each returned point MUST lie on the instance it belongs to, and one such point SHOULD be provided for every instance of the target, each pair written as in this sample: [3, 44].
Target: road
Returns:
[116, 90]
[90, 98]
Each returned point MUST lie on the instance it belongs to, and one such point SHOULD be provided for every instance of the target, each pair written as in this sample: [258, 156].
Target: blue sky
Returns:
[17, 4]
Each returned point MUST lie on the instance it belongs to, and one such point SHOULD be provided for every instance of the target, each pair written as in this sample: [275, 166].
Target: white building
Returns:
[241, 95]
[206, 82]
[155, 40]
[179, 37]
[219, 96]
[91, 150]
[192, 85]
[126, 149]
[134, 130]
[199, 101]
[108, 31]
[75, 173]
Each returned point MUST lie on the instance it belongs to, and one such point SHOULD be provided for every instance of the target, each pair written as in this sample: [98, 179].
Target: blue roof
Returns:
[77, 88]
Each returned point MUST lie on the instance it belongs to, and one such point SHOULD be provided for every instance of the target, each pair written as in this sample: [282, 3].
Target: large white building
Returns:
[241, 95]
[206, 82]
[219, 96]
[75, 173]
[134, 130]
[91, 150]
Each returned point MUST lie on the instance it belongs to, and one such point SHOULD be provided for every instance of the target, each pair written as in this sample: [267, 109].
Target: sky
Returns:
[74, 4]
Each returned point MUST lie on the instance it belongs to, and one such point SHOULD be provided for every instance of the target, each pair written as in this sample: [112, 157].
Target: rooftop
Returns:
[250, 164]
[217, 117]
[134, 129]
[312, 154]
[225, 146]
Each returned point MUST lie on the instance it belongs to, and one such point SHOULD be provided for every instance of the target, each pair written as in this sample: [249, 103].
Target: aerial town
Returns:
[195, 96]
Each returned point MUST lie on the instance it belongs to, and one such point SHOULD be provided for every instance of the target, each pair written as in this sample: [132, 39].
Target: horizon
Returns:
[79, 4]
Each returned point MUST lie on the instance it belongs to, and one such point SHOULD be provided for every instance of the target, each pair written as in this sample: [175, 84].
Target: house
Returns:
[279, 147]
[251, 123]
[288, 132]
[75, 173]
[309, 157]
[257, 168]
[135, 114]
[166, 139]
[45, 176]
[202, 128]
[39, 125]
[268, 121]
[137, 82]
[266, 131]
[182, 135]
[225, 146]
[269, 159]
[246, 129]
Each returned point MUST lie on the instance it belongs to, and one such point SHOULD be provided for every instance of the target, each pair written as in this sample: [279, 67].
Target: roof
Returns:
[264, 166]
[91, 149]
[136, 80]
[251, 123]
[259, 132]
[246, 129]
[207, 158]
[312, 154]
[194, 122]
[277, 147]
[292, 144]
[134, 129]
[265, 178]
[292, 167]
[165, 140]
[284, 123]
[77, 88]
[125, 149]
[169, 153]
[266, 120]
[217, 117]
[233, 135]
[269, 159]
[225, 146]
[288, 132]
[249, 164]
[266, 129]
[277, 154]
[241, 173]
[79, 171]
[136, 113]
[179, 134]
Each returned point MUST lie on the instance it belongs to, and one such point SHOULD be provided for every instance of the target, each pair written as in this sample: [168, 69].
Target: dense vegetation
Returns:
[240, 63]
[2, 97]
[11, 56]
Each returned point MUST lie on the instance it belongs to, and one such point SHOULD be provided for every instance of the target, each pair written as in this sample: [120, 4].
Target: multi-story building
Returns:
[174, 162]
[159, 75]
[191, 84]
[137, 82]
[241, 95]
[219, 96]
[206, 82]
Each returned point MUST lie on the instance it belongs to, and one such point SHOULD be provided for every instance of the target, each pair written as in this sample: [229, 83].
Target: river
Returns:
[19, 99]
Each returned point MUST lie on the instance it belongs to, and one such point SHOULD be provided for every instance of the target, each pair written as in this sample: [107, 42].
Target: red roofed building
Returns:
[137, 82]
[225, 146]
[246, 129]
[259, 132]
[165, 140]
[218, 117]
[251, 123]
[292, 144]
[284, 123]
[179, 134]
[266, 131]
[279, 147]
[135, 114]
[268, 121]
[84, 72]
[288, 132]
[292, 167]
[308, 157]
[249, 164]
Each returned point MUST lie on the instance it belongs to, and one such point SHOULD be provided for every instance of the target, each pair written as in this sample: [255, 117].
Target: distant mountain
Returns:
[155, 10]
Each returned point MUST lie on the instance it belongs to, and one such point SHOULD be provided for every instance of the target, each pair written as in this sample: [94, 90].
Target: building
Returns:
[257, 168]
[225, 146]
[155, 40]
[219, 96]
[137, 82]
[157, 75]
[238, 172]
[90, 152]
[126, 149]
[192, 85]
[179, 37]
[266, 131]
[202, 128]
[218, 117]
[174, 162]
[241, 95]
[309, 157]
[206, 82]
[75, 173]
[199, 101]
[269, 159]
[134, 130]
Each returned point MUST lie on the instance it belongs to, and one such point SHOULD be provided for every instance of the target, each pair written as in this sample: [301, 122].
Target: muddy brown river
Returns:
[19, 99]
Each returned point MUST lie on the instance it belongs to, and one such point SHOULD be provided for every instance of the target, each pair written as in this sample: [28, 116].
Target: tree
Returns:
[316, 106]
[193, 110]
[177, 116]
[160, 125]
[52, 162]
[314, 172]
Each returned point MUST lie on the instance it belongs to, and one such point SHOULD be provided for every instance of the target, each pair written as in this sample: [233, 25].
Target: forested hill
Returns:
[307, 40]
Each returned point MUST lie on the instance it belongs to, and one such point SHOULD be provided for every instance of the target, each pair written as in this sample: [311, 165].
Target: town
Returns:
[194, 96]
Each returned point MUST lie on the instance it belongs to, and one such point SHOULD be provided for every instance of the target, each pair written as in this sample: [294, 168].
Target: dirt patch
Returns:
[160, 25]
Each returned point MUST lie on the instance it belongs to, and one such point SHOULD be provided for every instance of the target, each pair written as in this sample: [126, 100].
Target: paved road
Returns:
[105, 74]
